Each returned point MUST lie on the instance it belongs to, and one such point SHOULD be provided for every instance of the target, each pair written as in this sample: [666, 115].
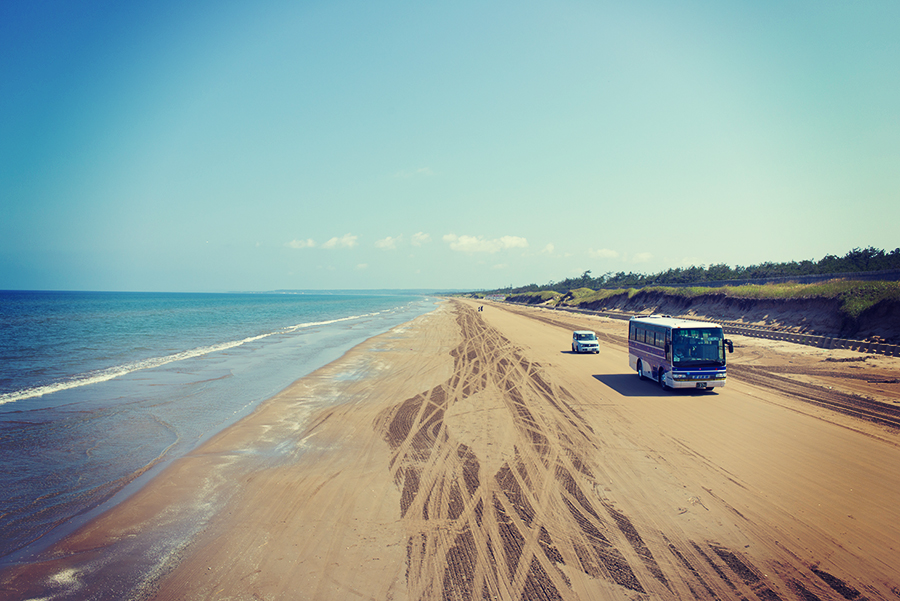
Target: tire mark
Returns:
[506, 532]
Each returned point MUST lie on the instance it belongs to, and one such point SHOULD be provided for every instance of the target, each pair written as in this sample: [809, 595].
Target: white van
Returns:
[585, 341]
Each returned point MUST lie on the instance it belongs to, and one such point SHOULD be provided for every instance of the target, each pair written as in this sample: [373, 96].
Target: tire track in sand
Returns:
[492, 477]
[493, 467]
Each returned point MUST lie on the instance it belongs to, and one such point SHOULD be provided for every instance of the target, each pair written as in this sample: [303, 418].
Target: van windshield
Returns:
[695, 347]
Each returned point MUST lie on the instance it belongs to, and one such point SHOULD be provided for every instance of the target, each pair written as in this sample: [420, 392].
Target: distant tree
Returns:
[585, 278]
[856, 260]
[863, 258]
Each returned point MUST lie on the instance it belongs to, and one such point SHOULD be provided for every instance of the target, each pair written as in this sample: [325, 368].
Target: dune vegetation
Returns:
[855, 296]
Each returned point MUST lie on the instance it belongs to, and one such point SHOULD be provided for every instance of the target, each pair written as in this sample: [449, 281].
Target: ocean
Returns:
[100, 390]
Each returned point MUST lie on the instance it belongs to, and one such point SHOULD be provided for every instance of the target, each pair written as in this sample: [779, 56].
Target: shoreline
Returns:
[472, 454]
[128, 547]
[75, 453]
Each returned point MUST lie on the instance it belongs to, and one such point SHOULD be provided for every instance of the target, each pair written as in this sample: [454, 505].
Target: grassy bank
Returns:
[536, 298]
[854, 296]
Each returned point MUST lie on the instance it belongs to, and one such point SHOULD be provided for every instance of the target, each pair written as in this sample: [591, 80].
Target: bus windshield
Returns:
[694, 347]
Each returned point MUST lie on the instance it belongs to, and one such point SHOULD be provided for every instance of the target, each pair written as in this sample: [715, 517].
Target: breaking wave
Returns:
[109, 373]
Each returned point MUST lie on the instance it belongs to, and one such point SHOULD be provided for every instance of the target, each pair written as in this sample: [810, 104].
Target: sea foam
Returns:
[103, 375]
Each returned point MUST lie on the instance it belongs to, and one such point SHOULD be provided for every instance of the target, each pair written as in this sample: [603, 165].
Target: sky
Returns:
[245, 146]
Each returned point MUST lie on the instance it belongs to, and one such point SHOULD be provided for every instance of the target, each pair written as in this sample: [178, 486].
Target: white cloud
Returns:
[362, 266]
[603, 253]
[642, 257]
[420, 238]
[548, 249]
[473, 244]
[389, 243]
[345, 241]
[514, 242]
[308, 243]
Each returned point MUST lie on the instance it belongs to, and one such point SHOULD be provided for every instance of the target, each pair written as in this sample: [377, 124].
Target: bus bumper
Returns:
[696, 383]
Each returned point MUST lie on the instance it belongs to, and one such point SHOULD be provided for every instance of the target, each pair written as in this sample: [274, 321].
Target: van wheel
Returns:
[640, 370]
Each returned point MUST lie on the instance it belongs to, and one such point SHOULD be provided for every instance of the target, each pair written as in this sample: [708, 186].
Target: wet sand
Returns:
[470, 455]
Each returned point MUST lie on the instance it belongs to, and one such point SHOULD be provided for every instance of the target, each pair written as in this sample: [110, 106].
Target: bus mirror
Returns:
[730, 345]
[667, 348]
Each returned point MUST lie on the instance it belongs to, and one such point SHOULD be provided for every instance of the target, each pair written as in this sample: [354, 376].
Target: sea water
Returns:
[98, 391]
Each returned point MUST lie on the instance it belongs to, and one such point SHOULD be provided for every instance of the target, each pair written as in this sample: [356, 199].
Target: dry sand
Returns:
[471, 455]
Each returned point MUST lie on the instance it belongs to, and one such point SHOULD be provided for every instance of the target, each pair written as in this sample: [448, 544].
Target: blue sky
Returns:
[213, 146]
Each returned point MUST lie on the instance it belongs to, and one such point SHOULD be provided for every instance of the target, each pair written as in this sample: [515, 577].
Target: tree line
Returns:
[855, 261]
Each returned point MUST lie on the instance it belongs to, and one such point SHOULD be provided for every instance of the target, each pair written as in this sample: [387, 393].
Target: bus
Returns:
[678, 353]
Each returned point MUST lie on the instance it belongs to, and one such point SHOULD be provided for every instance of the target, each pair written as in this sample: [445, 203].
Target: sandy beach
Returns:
[469, 454]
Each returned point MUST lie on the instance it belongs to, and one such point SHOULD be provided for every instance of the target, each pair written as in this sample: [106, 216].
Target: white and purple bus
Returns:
[678, 353]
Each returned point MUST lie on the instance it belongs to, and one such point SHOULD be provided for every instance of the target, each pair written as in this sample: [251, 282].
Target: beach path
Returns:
[470, 455]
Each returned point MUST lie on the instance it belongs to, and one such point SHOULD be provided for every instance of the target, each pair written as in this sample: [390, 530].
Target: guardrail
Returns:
[825, 342]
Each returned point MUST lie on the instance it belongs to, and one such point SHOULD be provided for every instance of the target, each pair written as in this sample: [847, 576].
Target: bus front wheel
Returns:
[640, 370]
[662, 380]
